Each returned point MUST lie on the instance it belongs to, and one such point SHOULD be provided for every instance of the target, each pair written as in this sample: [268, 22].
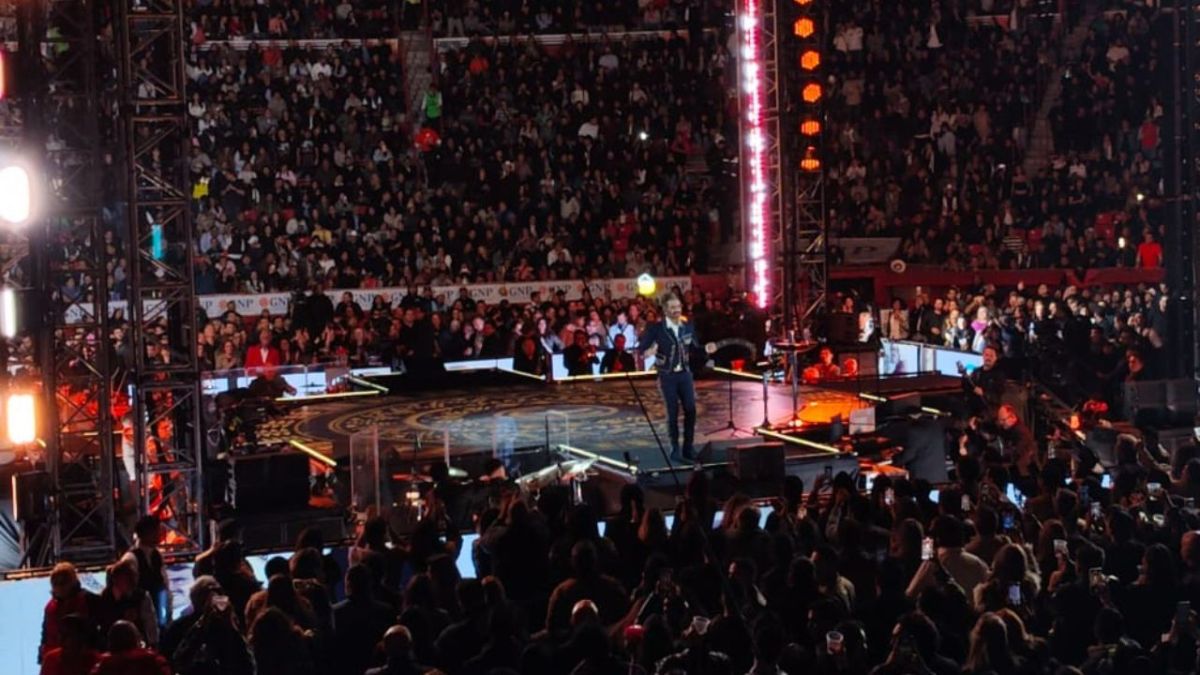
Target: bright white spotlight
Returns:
[8, 312]
[646, 285]
[16, 199]
[22, 422]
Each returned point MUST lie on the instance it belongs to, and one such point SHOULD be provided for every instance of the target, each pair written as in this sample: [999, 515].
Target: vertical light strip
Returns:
[8, 312]
[754, 136]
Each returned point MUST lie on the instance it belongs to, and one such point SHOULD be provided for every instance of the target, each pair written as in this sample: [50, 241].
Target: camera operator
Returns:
[580, 356]
[206, 639]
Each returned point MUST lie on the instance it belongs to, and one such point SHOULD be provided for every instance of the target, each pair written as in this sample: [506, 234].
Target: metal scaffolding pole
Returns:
[60, 61]
[156, 140]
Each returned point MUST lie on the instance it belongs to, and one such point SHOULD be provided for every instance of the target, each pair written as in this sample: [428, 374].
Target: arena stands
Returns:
[604, 156]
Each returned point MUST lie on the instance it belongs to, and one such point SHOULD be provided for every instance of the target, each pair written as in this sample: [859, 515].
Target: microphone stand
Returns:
[662, 450]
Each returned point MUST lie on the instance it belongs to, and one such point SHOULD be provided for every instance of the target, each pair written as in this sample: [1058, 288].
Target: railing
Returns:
[303, 381]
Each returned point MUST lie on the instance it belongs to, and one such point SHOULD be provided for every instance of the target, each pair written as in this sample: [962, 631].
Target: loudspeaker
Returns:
[761, 461]
[271, 482]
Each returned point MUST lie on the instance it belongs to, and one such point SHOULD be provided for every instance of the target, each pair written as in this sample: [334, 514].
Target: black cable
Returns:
[653, 429]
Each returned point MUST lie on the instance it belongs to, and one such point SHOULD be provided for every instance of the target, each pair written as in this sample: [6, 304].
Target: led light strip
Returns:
[313, 453]
[763, 431]
[754, 136]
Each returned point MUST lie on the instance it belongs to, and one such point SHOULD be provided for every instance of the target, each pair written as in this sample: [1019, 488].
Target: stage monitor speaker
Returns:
[271, 482]
[761, 461]
[898, 405]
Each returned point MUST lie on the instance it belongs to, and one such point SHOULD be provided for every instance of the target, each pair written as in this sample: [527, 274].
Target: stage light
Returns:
[1140, 197]
[811, 161]
[810, 59]
[811, 92]
[646, 285]
[16, 198]
[22, 420]
[8, 312]
[803, 3]
[158, 244]
[810, 127]
[643, 135]
[804, 27]
[755, 171]
[3, 75]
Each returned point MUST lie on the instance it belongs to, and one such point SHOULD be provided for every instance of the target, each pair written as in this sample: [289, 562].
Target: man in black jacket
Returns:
[617, 360]
[359, 622]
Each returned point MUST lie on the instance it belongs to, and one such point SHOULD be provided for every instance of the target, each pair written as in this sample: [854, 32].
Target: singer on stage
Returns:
[674, 343]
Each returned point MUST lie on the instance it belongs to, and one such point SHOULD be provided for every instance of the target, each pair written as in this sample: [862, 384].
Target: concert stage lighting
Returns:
[20, 410]
[16, 193]
[8, 313]
[646, 285]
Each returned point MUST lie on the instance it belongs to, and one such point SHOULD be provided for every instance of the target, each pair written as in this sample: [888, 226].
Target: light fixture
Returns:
[22, 418]
[16, 198]
[8, 312]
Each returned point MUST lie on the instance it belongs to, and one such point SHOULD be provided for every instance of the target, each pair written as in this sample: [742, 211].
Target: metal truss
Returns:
[1181, 182]
[61, 58]
[165, 375]
[795, 198]
[807, 274]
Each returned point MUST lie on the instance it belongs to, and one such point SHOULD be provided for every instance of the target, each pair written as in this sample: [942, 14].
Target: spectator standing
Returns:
[67, 598]
[359, 622]
[152, 571]
[75, 654]
[128, 655]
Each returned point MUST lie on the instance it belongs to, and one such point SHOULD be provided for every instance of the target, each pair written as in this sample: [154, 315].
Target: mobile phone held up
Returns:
[927, 549]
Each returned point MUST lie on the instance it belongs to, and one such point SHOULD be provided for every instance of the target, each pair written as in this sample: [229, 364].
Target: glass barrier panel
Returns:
[364, 471]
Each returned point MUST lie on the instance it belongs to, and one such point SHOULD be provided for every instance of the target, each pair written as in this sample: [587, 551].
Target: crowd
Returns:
[423, 328]
[1034, 559]
[586, 162]
[319, 19]
[459, 18]
[931, 124]
[1092, 339]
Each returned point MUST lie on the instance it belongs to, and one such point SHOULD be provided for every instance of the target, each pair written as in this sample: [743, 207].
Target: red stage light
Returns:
[810, 127]
[810, 59]
[811, 92]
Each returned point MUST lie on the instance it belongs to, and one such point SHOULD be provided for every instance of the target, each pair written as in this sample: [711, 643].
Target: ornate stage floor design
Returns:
[600, 417]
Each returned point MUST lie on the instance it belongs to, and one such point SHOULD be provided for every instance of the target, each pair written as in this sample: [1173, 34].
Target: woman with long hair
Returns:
[989, 651]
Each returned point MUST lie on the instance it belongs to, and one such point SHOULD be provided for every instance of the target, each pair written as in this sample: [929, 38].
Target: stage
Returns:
[601, 417]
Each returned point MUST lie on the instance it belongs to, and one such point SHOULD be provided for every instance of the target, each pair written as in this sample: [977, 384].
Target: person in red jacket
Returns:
[262, 354]
[128, 655]
[67, 597]
[76, 655]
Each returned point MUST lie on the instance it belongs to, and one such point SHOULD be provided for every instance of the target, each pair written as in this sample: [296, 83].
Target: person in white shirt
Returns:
[967, 570]
[623, 327]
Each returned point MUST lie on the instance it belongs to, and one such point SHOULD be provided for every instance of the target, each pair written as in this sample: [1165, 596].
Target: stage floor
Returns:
[602, 417]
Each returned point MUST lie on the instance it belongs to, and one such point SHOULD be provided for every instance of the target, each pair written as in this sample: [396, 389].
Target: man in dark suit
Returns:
[617, 360]
[923, 440]
[674, 343]
[985, 385]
